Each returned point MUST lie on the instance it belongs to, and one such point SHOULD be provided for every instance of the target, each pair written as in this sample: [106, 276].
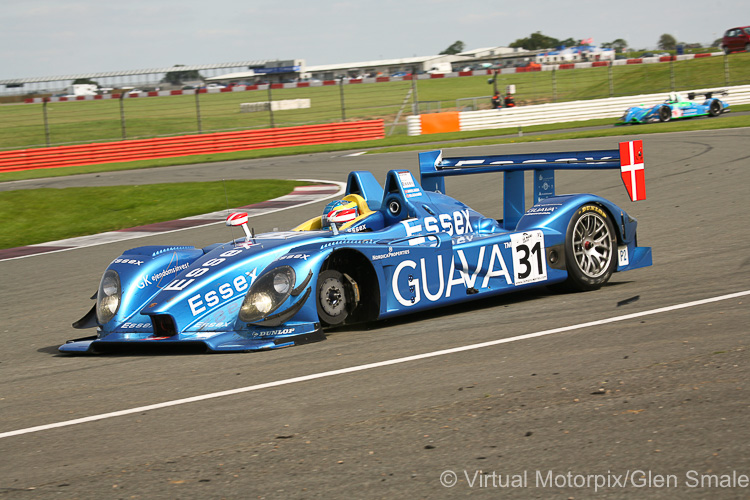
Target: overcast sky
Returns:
[61, 37]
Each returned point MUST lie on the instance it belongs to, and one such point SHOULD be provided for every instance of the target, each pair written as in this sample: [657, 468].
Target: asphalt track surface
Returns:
[638, 389]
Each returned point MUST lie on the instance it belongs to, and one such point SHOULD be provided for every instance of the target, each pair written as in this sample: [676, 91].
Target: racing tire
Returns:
[725, 49]
[665, 114]
[332, 297]
[714, 109]
[590, 249]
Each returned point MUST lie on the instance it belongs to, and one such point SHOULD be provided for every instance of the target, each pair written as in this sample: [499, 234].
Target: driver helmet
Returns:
[338, 212]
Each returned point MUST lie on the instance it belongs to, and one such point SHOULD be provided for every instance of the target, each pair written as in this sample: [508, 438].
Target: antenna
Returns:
[226, 197]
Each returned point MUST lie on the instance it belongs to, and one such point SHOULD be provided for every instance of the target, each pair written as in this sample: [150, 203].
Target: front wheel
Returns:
[590, 249]
[714, 109]
[333, 297]
[665, 114]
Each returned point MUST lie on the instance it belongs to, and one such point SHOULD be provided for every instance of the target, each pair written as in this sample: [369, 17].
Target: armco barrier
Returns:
[166, 147]
[554, 113]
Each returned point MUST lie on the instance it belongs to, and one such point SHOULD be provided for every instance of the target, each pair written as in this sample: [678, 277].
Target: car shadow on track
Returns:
[505, 300]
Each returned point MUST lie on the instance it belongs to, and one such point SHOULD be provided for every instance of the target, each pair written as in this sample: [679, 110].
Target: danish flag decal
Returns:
[632, 170]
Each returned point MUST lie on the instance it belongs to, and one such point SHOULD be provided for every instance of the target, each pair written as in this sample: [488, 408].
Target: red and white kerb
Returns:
[632, 170]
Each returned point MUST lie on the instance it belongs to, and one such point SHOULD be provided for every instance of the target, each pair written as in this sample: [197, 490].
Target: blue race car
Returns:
[381, 251]
[674, 108]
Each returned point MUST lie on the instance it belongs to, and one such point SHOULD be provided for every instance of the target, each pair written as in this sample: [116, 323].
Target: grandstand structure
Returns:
[265, 71]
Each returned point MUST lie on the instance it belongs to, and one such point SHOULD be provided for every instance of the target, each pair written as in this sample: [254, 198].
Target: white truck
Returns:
[83, 89]
[442, 67]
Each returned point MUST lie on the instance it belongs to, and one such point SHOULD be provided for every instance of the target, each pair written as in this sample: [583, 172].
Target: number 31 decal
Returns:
[529, 263]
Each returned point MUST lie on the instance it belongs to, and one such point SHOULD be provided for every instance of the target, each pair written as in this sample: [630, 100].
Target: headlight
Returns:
[267, 294]
[108, 296]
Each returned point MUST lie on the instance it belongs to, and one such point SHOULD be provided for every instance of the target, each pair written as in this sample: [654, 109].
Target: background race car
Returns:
[380, 252]
[676, 107]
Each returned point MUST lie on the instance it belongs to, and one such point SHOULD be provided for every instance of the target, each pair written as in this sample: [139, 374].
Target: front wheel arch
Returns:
[360, 279]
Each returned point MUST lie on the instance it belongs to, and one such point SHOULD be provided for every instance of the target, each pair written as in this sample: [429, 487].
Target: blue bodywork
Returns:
[411, 248]
[675, 108]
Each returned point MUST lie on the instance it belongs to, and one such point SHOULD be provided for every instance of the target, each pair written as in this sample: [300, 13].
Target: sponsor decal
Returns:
[411, 193]
[543, 209]
[593, 208]
[347, 242]
[456, 223]
[273, 333]
[407, 181]
[202, 325]
[133, 262]
[356, 229]
[200, 303]
[204, 268]
[167, 272]
[451, 163]
[463, 276]
[147, 280]
[390, 254]
[302, 256]
[135, 326]
[528, 266]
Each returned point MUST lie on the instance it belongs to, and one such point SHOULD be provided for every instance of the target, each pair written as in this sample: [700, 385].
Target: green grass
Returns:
[22, 125]
[41, 215]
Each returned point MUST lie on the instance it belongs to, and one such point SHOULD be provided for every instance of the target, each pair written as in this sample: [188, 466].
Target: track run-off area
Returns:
[639, 388]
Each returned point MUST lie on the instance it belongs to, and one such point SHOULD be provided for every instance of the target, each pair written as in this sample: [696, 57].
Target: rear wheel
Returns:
[333, 297]
[714, 109]
[665, 114]
[590, 247]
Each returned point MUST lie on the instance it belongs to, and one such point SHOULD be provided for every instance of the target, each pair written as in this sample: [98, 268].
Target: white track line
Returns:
[379, 364]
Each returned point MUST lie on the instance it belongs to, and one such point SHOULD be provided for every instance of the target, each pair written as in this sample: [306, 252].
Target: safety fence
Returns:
[550, 113]
[166, 147]
[55, 121]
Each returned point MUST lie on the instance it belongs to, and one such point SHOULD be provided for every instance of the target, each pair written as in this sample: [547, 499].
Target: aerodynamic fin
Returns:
[632, 170]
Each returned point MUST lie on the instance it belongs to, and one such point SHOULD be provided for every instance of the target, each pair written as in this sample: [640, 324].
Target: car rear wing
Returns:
[433, 169]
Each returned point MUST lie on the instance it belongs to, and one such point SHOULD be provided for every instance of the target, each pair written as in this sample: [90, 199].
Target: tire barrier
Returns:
[167, 147]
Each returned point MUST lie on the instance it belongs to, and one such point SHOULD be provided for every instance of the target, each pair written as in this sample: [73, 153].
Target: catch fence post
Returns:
[343, 103]
[122, 115]
[198, 110]
[270, 105]
[415, 97]
[45, 100]
[726, 69]
[671, 74]
[554, 85]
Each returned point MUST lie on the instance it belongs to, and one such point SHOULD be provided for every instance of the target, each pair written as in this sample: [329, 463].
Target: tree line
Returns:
[540, 41]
